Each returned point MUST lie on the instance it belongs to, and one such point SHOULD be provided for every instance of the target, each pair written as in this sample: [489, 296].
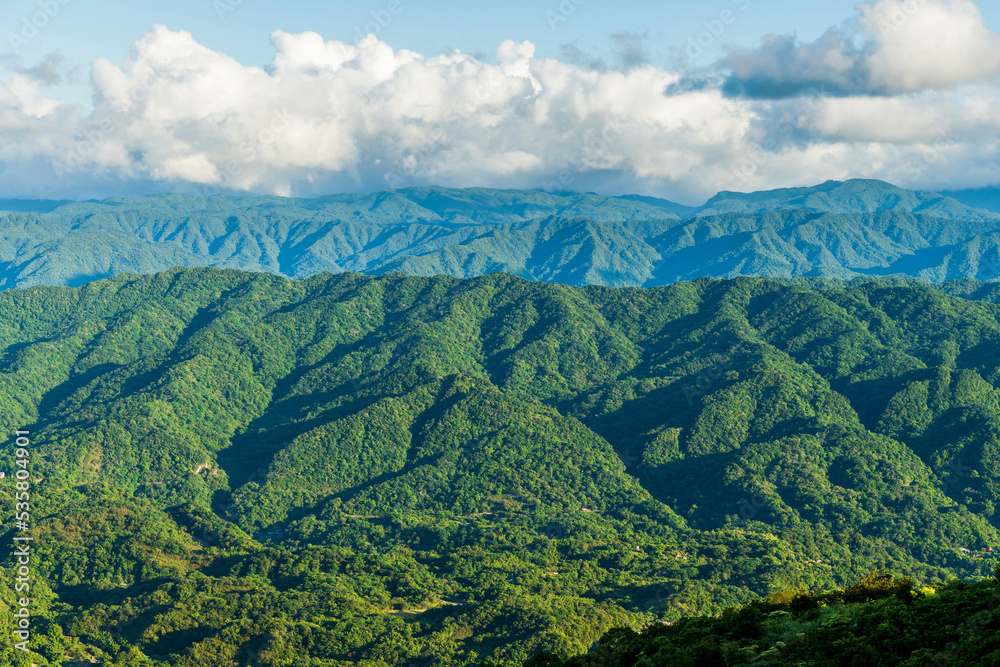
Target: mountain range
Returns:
[233, 468]
[838, 229]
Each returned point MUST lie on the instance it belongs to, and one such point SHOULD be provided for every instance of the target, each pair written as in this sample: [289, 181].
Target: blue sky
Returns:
[665, 98]
[88, 29]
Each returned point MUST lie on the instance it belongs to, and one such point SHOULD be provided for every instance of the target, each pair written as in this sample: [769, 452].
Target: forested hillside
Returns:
[881, 620]
[840, 230]
[239, 469]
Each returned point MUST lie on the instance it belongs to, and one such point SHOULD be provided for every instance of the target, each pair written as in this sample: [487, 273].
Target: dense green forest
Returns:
[840, 230]
[881, 620]
[236, 469]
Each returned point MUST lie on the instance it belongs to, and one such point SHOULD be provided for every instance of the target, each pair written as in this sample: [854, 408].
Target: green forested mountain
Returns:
[841, 230]
[239, 469]
[881, 620]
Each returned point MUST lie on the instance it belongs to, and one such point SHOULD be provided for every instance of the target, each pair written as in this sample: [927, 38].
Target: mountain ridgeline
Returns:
[841, 230]
[235, 468]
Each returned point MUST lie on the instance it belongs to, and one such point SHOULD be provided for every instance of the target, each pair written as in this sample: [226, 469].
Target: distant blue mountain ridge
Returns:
[986, 198]
[837, 229]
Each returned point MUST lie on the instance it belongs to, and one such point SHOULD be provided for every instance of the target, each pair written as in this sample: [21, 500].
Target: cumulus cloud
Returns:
[329, 116]
[325, 116]
[782, 67]
[891, 47]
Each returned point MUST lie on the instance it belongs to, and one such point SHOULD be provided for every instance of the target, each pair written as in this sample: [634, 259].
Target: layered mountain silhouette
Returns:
[838, 229]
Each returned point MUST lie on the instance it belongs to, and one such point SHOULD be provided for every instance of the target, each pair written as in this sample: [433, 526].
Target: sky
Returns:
[671, 99]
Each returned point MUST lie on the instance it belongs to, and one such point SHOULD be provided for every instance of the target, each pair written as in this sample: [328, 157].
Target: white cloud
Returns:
[893, 46]
[927, 44]
[327, 116]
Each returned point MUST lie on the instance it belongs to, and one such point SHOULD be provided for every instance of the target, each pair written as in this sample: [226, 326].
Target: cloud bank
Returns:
[892, 47]
[904, 92]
